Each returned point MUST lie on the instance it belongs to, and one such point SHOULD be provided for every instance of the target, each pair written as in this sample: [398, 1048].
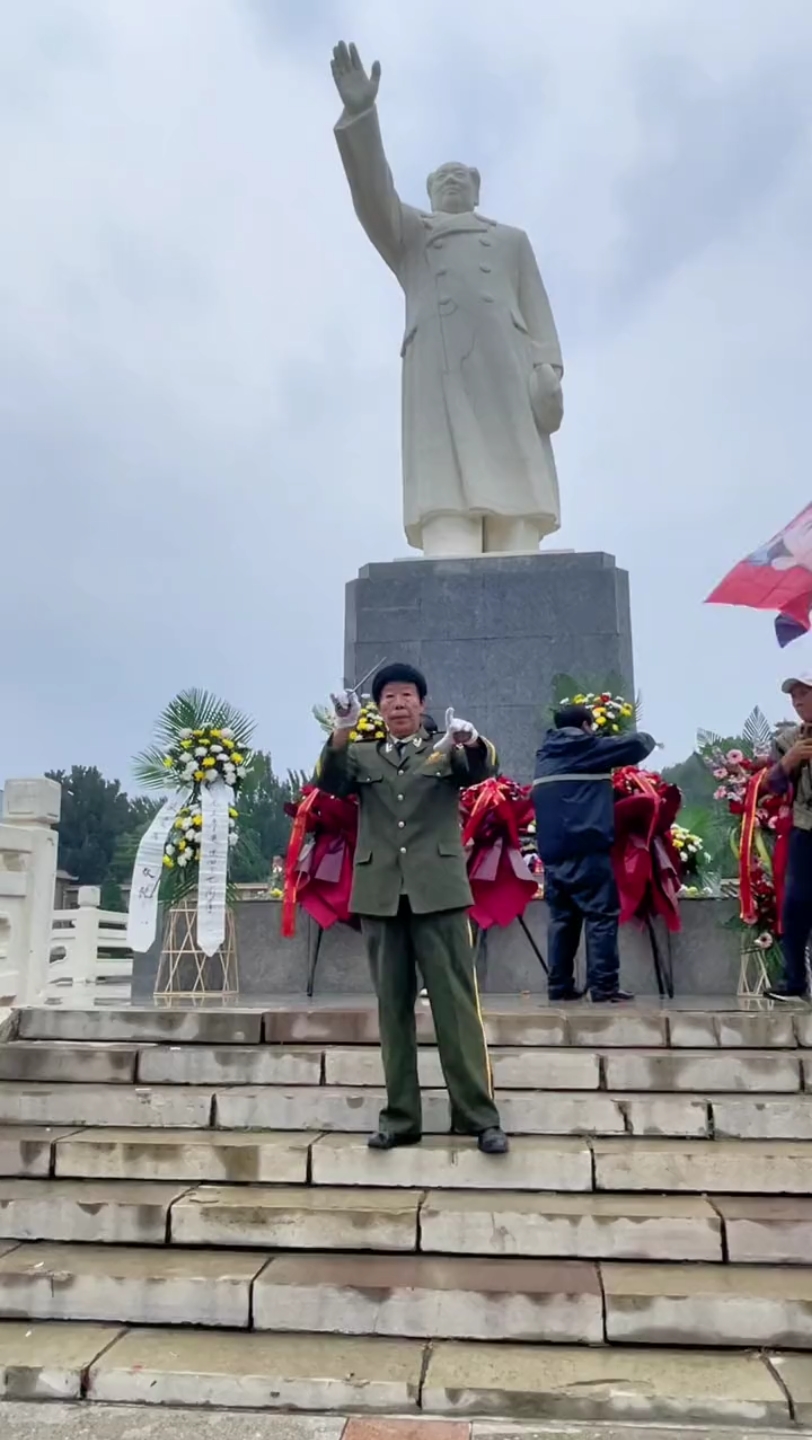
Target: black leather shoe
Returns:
[381, 1141]
[493, 1142]
[611, 997]
[566, 996]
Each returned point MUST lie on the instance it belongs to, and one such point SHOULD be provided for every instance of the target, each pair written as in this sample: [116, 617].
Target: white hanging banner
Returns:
[147, 871]
[211, 886]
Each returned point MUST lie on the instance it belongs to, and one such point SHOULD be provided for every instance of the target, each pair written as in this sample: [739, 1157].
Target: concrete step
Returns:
[159, 1027]
[192, 1156]
[752, 1071]
[707, 1305]
[747, 1167]
[133, 1286]
[346, 1375]
[609, 1227]
[513, 1069]
[229, 1065]
[178, 1107]
[113, 1213]
[306, 1218]
[420, 1297]
[446, 1162]
[60, 1061]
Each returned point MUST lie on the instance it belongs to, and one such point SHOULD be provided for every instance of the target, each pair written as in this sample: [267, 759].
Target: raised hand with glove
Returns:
[457, 732]
[347, 709]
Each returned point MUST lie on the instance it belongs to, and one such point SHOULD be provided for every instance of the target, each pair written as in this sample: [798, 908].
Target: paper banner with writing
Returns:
[147, 871]
[211, 891]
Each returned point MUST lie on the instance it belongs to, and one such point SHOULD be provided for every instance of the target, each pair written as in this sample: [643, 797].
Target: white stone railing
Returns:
[89, 951]
[28, 844]
[45, 953]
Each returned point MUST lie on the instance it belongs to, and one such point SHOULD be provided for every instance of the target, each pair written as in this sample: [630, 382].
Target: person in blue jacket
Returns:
[575, 828]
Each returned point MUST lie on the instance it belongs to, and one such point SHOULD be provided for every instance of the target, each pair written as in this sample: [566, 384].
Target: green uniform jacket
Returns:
[409, 837]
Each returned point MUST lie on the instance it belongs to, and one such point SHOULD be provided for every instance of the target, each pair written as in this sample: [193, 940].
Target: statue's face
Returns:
[454, 189]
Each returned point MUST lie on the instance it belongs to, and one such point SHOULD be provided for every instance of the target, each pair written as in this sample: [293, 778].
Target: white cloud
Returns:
[198, 362]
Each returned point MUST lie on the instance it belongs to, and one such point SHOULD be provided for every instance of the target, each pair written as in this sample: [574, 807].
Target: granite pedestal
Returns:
[492, 633]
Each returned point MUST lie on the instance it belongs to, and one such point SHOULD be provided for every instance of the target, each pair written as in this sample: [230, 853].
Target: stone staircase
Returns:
[189, 1215]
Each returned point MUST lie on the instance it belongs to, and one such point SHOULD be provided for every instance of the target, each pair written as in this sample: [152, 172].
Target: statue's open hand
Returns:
[357, 89]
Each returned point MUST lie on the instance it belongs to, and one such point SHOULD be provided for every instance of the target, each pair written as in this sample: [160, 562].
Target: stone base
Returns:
[492, 633]
[705, 956]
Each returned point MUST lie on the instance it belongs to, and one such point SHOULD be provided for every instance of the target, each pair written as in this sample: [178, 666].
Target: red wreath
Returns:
[646, 862]
[761, 896]
[495, 815]
[318, 864]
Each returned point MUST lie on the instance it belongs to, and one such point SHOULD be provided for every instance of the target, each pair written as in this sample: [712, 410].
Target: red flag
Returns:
[778, 576]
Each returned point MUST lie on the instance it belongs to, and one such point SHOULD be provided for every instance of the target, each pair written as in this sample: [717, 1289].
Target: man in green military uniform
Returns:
[411, 892]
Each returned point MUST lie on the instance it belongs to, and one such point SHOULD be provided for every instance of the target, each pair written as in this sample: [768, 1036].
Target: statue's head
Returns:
[454, 188]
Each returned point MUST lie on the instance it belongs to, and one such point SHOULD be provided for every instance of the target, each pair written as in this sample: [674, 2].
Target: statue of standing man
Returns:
[481, 360]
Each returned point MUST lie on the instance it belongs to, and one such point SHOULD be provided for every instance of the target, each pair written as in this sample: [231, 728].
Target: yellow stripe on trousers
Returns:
[488, 1066]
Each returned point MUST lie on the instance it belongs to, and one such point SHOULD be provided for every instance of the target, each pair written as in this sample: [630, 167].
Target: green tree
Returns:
[95, 813]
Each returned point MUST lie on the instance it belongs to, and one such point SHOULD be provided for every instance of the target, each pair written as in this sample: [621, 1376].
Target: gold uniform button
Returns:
[401, 824]
[400, 797]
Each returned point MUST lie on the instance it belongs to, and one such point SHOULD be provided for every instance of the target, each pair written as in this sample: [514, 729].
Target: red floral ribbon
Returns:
[747, 901]
[290, 892]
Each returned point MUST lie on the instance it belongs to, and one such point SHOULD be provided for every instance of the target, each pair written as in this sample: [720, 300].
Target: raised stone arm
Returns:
[374, 197]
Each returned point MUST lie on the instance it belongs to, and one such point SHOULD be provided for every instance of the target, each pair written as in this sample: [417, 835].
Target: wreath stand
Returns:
[185, 972]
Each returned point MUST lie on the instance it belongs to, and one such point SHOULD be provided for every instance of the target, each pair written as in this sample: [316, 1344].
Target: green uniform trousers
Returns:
[440, 943]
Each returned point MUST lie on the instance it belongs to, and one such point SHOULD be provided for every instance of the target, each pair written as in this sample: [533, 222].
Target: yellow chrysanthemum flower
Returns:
[168, 862]
[209, 762]
[238, 759]
[215, 734]
[232, 814]
[197, 734]
[168, 761]
[198, 775]
[197, 820]
[181, 844]
[186, 744]
[228, 744]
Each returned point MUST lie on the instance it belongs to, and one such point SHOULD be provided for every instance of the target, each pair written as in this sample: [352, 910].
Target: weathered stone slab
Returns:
[606, 1227]
[297, 1218]
[704, 1167]
[35, 1060]
[664, 1115]
[602, 1384]
[618, 1028]
[421, 1297]
[708, 1305]
[117, 1213]
[692, 1030]
[761, 1030]
[775, 1231]
[47, 1362]
[754, 1072]
[803, 1027]
[331, 1026]
[760, 1119]
[192, 1156]
[104, 1105]
[26, 1150]
[514, 1069]
[454, 1163]
[228, 1065]
[159, 1027]
[260, 1372]
[318, 1107]
[536, 1112]
[135, 1286]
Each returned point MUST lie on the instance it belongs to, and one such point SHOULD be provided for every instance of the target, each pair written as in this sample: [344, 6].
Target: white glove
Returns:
[457, 732]
[348, 708]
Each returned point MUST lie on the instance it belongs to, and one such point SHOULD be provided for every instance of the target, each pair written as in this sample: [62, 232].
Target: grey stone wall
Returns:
[705, 956]
[492, 633]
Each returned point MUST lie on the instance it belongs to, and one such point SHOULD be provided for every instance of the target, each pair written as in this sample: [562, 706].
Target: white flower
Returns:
[190, 833]
[227, 734]
[183, 860]
[216, 749]
[211, 775]
[241, 770]
[232, 839]
[185, 733]
[201, 750]
[170, 849]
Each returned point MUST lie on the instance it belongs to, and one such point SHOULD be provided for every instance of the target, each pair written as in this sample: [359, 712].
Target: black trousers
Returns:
[796, 913]
[582, 892]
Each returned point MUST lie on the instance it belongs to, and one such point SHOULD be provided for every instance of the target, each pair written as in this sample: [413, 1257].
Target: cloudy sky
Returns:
[199, 373]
